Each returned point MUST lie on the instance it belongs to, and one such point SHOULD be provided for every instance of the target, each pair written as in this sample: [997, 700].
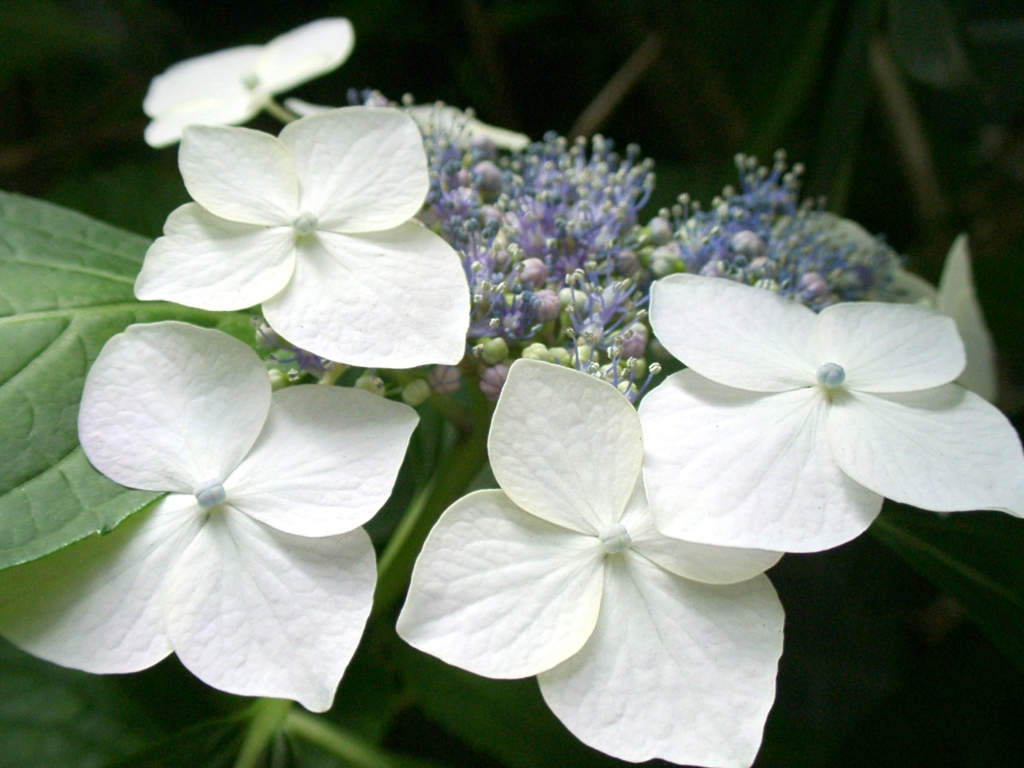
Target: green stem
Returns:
[350, 748]
[454, 476]
[267, 718]
[282, 113]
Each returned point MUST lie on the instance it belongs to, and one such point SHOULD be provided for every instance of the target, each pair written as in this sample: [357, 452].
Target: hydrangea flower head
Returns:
[763, 235]
[644, 646]
[317, 226]
[233, 85]
[253, 569]
[789, 426]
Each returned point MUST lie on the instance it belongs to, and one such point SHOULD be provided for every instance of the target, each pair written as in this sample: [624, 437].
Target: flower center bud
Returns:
[831, 375]
[615, 538]
[250, 81]
[209, 493]
[304, 224]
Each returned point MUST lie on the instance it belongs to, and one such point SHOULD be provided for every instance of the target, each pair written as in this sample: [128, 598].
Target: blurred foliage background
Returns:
[909, 115]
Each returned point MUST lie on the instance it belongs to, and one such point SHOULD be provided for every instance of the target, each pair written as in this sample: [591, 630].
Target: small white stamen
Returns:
[615, 538]
[250, 81]
[304, 224]
[209, 493]
[831, 375]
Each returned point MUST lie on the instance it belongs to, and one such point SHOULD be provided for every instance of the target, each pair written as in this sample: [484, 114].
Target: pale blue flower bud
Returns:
[534, 273]
[445, 379]
[209, 493]
[831, 375]
[546, 305]
[492, 380]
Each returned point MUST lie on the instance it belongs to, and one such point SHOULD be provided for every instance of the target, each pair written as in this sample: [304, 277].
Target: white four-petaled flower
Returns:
[789, 427]
[254, 569]
[317, 226]
[644, 646]
[231, 86]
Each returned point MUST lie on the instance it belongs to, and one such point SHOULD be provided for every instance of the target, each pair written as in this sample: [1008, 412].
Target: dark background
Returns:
[909, 116]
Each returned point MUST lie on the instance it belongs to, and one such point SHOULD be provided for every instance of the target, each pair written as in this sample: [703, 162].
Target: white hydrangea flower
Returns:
[317, 226]
[449, 119]
[254, 569]
[957, 298]
[789, 428]
[233, 85]
[643, 646]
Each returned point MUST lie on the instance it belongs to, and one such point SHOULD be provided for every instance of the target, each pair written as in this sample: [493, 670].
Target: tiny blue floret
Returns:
[209, 493]
[831, 375]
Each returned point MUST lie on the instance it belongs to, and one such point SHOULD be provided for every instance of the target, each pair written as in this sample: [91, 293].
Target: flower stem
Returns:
[282, 113]
[267, 718]
[349, 747]
[454, 476]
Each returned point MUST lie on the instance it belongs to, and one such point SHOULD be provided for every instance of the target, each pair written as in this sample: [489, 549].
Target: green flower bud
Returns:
[561, 355]
[494, 351]
[538, 351]
[416, 392]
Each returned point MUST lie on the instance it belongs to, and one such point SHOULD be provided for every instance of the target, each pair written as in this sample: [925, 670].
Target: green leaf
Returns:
[65, 288]
[975, 557]
[213, 744]
[50, 716]
[507, 718]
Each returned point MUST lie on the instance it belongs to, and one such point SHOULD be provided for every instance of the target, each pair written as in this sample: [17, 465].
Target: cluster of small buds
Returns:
[764, 235]
[548, 238]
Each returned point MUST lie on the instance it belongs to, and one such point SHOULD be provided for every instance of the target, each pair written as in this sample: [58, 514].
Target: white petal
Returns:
[943, 449]
[565, 446]
[325, 462]
[201, 83]
[502, 138]
[304, 108]
[205, 90]
[732, 468]
[451, 120]
[889, 347]
[393, 299]
[361, 169]
[256, 612]
[674, 670]
[168, 405]
[211, 263]
[957, 298]
[500, 592]
[913, 289]
[167, 128]
[699, 562]
[95, 605]
[239, 174]
[306, 52]
[734, 334]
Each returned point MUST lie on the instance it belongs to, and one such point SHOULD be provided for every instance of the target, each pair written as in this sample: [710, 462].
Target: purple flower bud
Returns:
[546, 305]
[713, 268]
[492, 380]
[444, 379]
[626, 263]
[484, 146]
[747, 243]
[463, 178]
[488, 180]
[535, 272]
[661, 231]
[634, 341]
[813, 287]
